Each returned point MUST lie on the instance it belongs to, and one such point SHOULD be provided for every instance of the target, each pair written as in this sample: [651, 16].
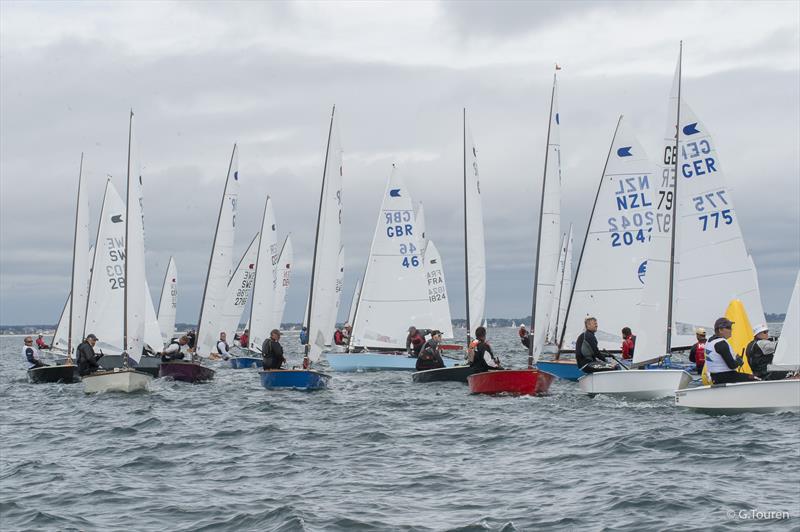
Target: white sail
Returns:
[136, 292]
[551, 333]
[221, 262]
[548, 251]
[61, 336]
[282, 281]
[107, 285]
[168, 304]
[566, 287]
[787, 354]
[262, 310]
[394, 294]
[322, 297]
[437, 291]
[473, 239]
[351, 315]
[152, 330]
[240, 288]
[339, 281]
[611, 273]
[423, 236]
[756, 315]
[708, 226]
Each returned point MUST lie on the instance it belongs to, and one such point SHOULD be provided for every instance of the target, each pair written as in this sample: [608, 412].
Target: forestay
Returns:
[322, 297]
[437, 291]
[168, 304]
[394, 294]
[474, 238]
[262, 310]
[787, 355]
[220, 263]
[240, 287]
[611, 272]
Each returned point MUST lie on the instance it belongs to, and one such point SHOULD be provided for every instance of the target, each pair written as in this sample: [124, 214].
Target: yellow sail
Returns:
[742, 332]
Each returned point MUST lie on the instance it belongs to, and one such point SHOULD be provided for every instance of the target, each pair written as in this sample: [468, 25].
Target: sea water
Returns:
[378, 452]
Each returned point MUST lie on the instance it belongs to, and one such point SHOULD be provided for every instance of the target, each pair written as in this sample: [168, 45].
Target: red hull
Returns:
[511, 381]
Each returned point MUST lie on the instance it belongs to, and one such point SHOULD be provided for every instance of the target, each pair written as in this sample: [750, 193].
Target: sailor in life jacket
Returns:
[760, 352]
[430, 356]
[722, 362]
[338, 337]
[697, 353]
[31, 354]
[175, 349]
[222, 347]
[628, 343]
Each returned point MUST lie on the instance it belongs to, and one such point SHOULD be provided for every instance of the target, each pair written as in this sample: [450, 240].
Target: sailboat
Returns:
[474, 262]
[534, 381]
[758, 396]
[658, 294]
[125, 378]
[67, 371]
[262, 309]
[168, 304]
[322, 295]
[394, 292]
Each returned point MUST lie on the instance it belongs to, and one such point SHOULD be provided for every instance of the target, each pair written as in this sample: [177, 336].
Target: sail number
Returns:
[400, 224]
[116, 254]
[436, 288]
[243, 292]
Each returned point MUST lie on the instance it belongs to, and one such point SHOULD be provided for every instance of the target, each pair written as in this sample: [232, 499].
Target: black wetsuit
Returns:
[191, 336]
[587, 354]
[87, 359]
[272, 351]
[429, 357]
[478, 361]
[526, 340]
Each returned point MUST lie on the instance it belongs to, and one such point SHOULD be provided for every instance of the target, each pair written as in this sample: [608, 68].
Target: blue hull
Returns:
[376, 362]
[246, 362]
[566, 369]
[299, 379]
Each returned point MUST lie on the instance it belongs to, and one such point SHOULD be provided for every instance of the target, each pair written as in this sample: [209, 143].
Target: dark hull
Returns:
[454, 374]
[67, 374]
[186, 371]
[146, 364]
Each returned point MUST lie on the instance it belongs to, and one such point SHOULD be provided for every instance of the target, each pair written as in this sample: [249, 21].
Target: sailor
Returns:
[484, 359]
[338, 337]
[40, 343]
[697, 353]
[760, 352]
[272, 351]
[244, 339]
[87, 358]
[524, 336]
[430, 356]
[192, 335]
[347, 332]
[222, 347]
[720, 358]
[415, 340]
[31, 354]
[628, 343]
[587, 353]
[174, 351]
[304, 335]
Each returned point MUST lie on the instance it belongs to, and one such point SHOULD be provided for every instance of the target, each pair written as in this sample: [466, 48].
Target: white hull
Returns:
[636, 384]
[758, 396]
[120, 380]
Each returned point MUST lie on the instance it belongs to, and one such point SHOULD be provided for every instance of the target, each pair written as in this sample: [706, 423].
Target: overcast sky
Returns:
[201, 76]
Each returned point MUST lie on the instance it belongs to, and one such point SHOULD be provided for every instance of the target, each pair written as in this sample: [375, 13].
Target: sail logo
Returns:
[273, 227]
[625, 151]
[394, 193]
[642, 271]
[117, 218]
[558, 119]
[690, 129]
[236, 175]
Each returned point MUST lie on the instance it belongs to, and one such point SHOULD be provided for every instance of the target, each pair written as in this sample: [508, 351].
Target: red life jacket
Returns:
[700, 354]
[338, 337]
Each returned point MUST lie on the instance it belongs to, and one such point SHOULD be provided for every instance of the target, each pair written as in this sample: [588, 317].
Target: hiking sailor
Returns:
[524, 336]
[430, 357]
[87, 358]
[415, 340]
[272, 351]
[31, 354]
[222, 347]
[587, 354]
[720, 358]
[174, 351]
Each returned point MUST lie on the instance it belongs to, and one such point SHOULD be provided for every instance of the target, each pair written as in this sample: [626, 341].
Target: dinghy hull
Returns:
[297, 379]
[117, 380]
[739, 397]
[375, 362]
[184, 371]
[635, 384]
[563, 369]
[67, 374]
[246, 362]
[511, 381]
[147, 364]
[454, 374]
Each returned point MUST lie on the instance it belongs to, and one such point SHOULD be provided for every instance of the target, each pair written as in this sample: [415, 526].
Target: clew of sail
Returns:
[168, 304]
[221, 262]
[437, 291]
[262, 310]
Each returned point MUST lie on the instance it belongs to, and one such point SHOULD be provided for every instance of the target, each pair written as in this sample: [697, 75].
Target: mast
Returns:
[74, 251]
[466, 239]
[211, 257]
[307, 347]
[539, 236]
[255, 279]
[585, 238]
[674, 206]
[127, 241]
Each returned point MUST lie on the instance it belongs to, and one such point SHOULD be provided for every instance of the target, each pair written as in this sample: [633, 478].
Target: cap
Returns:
[91, 336]
[722, 323]
[700, 330]
[435, 332]
[760, 328]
